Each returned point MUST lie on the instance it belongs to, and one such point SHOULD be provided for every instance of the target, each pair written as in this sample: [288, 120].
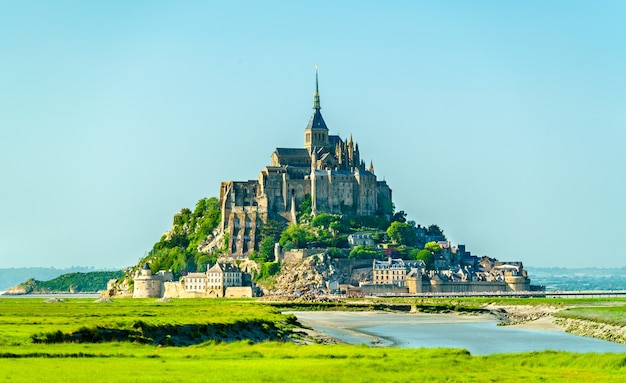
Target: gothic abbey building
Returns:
[328, 168]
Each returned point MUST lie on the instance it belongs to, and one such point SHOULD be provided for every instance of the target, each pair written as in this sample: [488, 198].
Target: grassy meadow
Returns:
[27, 354]
[615, 315]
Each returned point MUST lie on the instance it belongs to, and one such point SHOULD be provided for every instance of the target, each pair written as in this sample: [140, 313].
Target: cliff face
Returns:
[20, 289]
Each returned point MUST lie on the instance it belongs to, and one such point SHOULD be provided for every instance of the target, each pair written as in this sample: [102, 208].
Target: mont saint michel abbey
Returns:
[328, 168]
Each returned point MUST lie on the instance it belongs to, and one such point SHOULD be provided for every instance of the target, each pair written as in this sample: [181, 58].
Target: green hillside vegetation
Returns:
[180, 250]
[72, 282]
[10, 277]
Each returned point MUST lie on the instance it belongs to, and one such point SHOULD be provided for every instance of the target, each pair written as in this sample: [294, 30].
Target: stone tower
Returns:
[328, 169]
[316, 132]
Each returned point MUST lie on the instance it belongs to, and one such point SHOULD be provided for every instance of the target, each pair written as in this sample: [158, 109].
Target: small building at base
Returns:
[397, 276]
[148, 285]
[221, 280]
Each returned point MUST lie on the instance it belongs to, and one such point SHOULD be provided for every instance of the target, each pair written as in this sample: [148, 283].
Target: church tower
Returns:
[316, 132]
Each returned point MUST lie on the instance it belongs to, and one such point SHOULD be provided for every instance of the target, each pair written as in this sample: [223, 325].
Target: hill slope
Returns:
[72, 282]
[10, 277]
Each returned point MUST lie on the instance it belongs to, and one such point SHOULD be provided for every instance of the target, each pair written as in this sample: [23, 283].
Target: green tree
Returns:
[340, 241]
[364, 252]
[338, 227]
[325, 220]
[202, 261]
[268, 269]
[288, 245]
[402, 233]
[434, 230]
[399, 217]
[305, 209]
[379, 237]
[433, 247]
[266, 249]
[427, 256]
[295, 234]
[335, 252]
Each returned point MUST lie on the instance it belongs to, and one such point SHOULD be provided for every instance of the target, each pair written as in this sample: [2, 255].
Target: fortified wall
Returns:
[416, 285]
[148, 285]
[177, 290]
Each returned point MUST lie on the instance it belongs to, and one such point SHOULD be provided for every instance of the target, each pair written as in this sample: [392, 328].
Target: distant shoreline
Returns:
[50, 295]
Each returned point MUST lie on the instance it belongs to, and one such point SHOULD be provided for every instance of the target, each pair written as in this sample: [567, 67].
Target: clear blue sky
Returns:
[502, 122]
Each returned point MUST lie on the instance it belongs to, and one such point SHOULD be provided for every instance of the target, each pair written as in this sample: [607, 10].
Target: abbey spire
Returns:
[316, 132]
[316, 95]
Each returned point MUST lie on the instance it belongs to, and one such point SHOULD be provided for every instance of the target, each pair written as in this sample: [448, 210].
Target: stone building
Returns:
[147, 285]
[360, 239]
[505, 277]
[328, 168]
[412, 277]
[222, 276]
[214, 283]
[393, 271]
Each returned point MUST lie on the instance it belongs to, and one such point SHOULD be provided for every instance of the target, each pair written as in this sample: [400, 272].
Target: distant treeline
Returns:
[10, 277]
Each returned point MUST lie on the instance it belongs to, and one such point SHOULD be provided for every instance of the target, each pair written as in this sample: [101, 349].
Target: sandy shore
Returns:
[526, 316]
[545, 323]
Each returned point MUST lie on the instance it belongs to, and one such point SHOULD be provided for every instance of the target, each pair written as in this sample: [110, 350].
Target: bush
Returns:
[334, 252]
[364, 252]
[268, 269]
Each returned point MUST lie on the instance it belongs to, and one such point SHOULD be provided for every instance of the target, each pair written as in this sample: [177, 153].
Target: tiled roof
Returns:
[317, 121]
[292, 152]
[196, 275]
[333, 140]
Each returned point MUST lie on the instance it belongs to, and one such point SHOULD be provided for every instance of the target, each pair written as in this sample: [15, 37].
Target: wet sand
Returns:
[349, 325]
[530, 328]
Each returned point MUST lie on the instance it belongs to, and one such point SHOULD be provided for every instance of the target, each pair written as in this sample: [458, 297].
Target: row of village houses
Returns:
[393, 275]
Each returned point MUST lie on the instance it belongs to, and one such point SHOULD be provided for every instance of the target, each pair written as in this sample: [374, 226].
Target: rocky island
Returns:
[317, 220]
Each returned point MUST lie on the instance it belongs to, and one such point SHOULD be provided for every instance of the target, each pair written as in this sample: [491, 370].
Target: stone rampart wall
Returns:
[463, 287]
[383, 289]
[298, 255]
[177, 290]
[238, 292]
[148, 287]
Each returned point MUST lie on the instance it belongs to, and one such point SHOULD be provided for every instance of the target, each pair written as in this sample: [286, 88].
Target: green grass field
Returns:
[23, 360]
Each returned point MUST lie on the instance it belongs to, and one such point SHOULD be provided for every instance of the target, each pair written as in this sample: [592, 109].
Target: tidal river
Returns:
[477, 334]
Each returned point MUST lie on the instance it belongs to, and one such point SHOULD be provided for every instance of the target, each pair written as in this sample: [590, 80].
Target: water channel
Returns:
[479, 335]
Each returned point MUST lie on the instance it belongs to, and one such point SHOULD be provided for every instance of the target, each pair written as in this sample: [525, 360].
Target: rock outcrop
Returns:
[23, 288]
[592, 329]
[308, 275]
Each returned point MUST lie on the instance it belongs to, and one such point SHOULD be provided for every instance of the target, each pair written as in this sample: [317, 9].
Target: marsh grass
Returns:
[285, 362]
[22, 360]
[24, 321]
[615, 315]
